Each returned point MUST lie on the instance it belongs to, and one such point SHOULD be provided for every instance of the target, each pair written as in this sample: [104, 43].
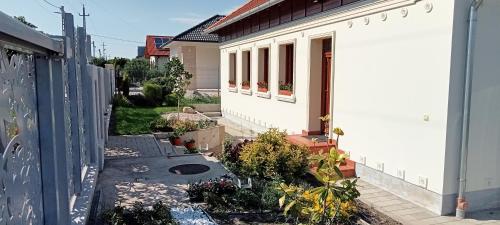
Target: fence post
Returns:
[50, 94]
[90, 127]
[69, 39]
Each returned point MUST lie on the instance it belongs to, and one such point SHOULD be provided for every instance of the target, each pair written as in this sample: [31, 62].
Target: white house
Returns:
[199, 52]
[391, 73]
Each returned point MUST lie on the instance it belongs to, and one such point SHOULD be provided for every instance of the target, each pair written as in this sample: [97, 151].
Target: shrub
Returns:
[170, 100]
[141, 101]
[220, 186]
[120, 100]
[139, 215]
[153, 92]
[125, 85]
[272, 156]
[161, 125]
[231, 155]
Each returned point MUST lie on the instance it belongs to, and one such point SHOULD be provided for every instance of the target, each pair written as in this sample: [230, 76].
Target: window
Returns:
[263, 82]
[160, 41]
[246, 63]
[286, 69]
[232, 70]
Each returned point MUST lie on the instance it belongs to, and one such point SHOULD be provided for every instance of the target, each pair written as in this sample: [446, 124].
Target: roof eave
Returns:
[243, 15]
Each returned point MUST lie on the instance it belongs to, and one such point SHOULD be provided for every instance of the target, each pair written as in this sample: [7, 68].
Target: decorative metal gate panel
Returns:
[20, 175]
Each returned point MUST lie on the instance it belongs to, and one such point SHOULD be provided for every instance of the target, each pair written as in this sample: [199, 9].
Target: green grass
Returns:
[132, 121]
[201, 100]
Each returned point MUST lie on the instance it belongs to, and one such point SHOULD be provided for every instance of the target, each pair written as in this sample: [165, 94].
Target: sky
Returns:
[129, 20]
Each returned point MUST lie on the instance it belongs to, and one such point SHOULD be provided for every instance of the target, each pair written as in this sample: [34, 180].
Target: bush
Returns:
[153, 92]
[170, 100]
[120, 100]
[141, 101]
[221, 186]
[139, 215]
[272, 156]
[231, 156]
[161, 125]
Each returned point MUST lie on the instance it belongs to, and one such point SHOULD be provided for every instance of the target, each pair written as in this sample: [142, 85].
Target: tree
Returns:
[100, 62]
[174, 70]
[137, 69]
[22, 19]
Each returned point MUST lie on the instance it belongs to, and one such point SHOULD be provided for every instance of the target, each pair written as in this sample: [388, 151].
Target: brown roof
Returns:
[251, 4]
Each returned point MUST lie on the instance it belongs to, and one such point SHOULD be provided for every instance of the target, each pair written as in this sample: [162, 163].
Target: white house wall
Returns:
[391, 85]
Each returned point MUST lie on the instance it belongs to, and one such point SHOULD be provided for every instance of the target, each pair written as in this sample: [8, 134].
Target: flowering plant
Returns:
[232, 82]
[286, 86]
[262, 84]
[219, 186]
[245, 83]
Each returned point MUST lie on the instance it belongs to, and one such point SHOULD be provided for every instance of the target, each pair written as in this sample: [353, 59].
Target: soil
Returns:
[366, 213]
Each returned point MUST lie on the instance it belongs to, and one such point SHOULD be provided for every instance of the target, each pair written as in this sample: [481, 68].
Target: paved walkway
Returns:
[409, 213]
[136, 170]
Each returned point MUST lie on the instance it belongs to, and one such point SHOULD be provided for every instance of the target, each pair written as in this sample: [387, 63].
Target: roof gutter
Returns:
[464, 151]
[243, 15]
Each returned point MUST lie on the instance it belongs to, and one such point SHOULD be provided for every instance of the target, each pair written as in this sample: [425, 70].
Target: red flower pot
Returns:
[190, 145]
[285, 92]
[177, 141]
[265, 90]
[246, 87]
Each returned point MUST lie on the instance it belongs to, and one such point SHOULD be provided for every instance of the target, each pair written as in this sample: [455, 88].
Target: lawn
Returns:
[131, 121]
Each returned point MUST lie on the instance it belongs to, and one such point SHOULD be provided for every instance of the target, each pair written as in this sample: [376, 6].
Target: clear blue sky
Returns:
[125, 19]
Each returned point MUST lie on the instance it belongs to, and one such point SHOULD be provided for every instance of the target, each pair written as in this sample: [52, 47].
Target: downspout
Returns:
[464, 151]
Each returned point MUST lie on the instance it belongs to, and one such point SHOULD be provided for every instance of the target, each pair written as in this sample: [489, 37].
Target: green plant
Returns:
[272, 156]
[286, 86]
[153, 92]
[183, 126]
[139, 215]
[180, 79]
[331, 203]
[137, 69]
[161, 125]
[120, 100]
[223, 186]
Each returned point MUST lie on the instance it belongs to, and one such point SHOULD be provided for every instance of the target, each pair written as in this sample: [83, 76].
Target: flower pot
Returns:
[176, 141]
[190, 145]
[265, 90]
[232, 85]
[246, 87]
[285, 92]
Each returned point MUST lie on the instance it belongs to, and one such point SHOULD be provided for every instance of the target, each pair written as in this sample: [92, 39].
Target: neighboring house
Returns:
[156, 55]
[390, 72]
[141, 50]
[199, 52]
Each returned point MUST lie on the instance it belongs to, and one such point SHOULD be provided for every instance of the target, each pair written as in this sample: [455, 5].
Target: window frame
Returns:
[293, 76]
[233, 71]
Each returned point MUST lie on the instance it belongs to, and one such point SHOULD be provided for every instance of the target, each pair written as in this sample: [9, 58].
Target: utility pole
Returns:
[93, 46]
[84, 21]
[100, 55]
[103, 50]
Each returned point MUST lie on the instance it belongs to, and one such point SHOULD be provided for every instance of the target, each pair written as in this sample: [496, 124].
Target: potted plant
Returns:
[232, 83]
[286, 89]
[245, 85]
[263, 86]
[326, 123]
[190, 145]
[176, 137]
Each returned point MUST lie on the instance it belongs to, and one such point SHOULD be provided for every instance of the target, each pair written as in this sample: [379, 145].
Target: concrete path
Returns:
[136, 169]
[409, 213]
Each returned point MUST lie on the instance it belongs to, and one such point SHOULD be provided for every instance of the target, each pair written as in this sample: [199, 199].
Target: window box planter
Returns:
[232, 85]
[285, 92]
[263, 90]
[245, 87]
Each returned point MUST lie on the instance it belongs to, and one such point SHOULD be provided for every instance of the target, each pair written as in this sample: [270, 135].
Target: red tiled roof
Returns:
[153, 50]
[251, 4]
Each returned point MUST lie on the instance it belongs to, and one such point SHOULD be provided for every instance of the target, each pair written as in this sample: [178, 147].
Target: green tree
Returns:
[22, 19]
[99, 61]
[179, 77]
[137, 69]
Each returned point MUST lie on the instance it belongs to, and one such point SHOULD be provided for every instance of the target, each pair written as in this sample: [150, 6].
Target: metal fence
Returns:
[54, 116]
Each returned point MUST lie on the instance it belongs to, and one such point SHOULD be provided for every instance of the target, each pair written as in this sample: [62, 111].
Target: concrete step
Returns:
[213, 114]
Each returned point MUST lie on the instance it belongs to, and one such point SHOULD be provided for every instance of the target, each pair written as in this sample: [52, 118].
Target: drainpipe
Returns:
[464, 151]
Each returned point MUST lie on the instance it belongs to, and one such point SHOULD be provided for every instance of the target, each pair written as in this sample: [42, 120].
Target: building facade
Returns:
[391, 73]
[199, 52]
[154, 53]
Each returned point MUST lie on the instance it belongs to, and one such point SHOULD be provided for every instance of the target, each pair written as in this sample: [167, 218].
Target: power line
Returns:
[116, 38]
[55, 6]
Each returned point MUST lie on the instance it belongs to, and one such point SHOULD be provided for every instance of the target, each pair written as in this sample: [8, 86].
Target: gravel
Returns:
[190, 216]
